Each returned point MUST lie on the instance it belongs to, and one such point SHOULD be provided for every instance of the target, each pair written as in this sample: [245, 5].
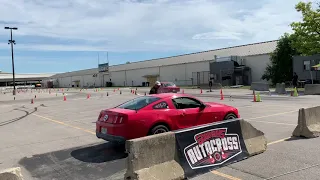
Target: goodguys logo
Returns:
[213, 147]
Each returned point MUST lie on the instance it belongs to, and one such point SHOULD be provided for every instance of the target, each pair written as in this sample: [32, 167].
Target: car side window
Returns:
[161, 105]
[185, 103]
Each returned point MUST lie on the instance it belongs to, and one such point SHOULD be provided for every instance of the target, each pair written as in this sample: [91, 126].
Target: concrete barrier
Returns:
[308, 123]
[11, 174]
[312, 89]
[153, 157]
[259, 86]
[281, 88]
[166, 156]
[254, 139]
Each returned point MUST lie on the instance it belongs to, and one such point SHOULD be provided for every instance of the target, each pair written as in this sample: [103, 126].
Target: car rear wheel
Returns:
[159, 129]
[230, 116]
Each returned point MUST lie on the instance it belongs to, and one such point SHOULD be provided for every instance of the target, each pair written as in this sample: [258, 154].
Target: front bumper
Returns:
[110, 138]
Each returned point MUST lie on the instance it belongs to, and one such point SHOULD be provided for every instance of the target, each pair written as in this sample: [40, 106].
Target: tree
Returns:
[280, 68]
[307, 33]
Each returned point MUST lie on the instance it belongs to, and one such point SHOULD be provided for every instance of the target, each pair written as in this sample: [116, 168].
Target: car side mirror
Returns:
[202, 106]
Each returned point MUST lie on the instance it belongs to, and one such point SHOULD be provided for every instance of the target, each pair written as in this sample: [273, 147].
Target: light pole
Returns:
[11, 41]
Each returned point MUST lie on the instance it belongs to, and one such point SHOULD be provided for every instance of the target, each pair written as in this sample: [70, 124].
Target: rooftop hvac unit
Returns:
[228, 58]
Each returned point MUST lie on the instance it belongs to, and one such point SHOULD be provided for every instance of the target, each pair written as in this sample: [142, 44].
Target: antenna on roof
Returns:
[107, 57]
[98, 59]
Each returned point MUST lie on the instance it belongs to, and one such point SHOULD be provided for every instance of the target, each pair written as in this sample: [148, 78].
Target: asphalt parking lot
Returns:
[57, 140]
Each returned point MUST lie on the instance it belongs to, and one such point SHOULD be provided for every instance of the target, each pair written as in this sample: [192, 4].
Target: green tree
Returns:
[280, 67]
[307, 33]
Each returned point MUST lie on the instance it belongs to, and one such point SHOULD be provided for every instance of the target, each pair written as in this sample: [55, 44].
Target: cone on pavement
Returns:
[221, 95]
[88, 96]
[258, 97]
[31, 101]
[254, 96]
[64, 98]
[295, 92]
[200, 91]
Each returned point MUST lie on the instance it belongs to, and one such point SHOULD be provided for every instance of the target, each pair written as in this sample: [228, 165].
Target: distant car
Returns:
[168, 87]
[158, 113]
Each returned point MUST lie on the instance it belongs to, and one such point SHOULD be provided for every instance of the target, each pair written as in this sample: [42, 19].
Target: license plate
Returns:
[103, 130]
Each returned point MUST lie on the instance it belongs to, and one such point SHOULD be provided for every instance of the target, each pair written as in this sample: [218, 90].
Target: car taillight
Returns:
[118, 120]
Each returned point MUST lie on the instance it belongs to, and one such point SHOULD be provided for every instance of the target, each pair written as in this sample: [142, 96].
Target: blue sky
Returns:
[67, 35]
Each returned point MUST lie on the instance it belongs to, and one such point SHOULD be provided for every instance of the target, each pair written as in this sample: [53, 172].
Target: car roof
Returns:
[170, 95]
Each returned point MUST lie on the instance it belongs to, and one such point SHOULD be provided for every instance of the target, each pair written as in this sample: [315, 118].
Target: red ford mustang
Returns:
[168, 87]
[153, 114]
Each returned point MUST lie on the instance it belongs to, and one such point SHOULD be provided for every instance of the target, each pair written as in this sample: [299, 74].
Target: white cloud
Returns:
[127, 25]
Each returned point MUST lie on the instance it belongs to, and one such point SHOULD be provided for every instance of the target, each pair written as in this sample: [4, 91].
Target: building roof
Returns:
[243, 50]
[23, 77]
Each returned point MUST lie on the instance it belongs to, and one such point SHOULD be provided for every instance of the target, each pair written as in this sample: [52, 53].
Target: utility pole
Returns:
[11, 41]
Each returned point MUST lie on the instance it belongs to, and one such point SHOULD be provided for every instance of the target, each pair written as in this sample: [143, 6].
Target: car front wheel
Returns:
[230, 116]
[159, 129]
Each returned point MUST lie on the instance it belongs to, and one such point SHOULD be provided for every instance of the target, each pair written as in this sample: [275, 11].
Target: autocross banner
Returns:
[204, 148]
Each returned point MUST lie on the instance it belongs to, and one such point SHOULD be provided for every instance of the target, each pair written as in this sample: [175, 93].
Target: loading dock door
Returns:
[151, 79]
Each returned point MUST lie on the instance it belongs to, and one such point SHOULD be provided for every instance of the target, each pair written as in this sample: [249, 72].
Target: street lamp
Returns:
[11, 41]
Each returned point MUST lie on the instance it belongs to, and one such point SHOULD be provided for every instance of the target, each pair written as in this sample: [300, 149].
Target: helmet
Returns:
[158, 83]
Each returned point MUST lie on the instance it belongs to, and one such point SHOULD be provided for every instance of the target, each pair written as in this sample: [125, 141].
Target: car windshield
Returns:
[138, 103]
[169, 84]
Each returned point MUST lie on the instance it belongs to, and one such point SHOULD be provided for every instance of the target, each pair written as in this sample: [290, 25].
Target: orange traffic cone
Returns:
[221, 95]
[64, 98]
[88, 96]
[254, 97]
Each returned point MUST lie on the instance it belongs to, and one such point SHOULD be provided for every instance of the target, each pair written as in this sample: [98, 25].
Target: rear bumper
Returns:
[110, 138]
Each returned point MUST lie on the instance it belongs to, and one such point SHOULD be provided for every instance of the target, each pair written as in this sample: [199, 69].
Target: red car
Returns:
[153, 114]
[168, 87]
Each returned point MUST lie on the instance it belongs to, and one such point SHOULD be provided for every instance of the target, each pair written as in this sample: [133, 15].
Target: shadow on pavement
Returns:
[99, 153]
[96, 161]
[295, 138]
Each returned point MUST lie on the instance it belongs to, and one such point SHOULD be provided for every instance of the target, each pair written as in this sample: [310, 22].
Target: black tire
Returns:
[159, 129]
[230, 116]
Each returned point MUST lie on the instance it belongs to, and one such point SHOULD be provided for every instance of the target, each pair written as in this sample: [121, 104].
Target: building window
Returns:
[306, 65]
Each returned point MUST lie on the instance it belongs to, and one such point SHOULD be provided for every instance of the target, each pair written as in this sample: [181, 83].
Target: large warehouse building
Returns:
[187, 69]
